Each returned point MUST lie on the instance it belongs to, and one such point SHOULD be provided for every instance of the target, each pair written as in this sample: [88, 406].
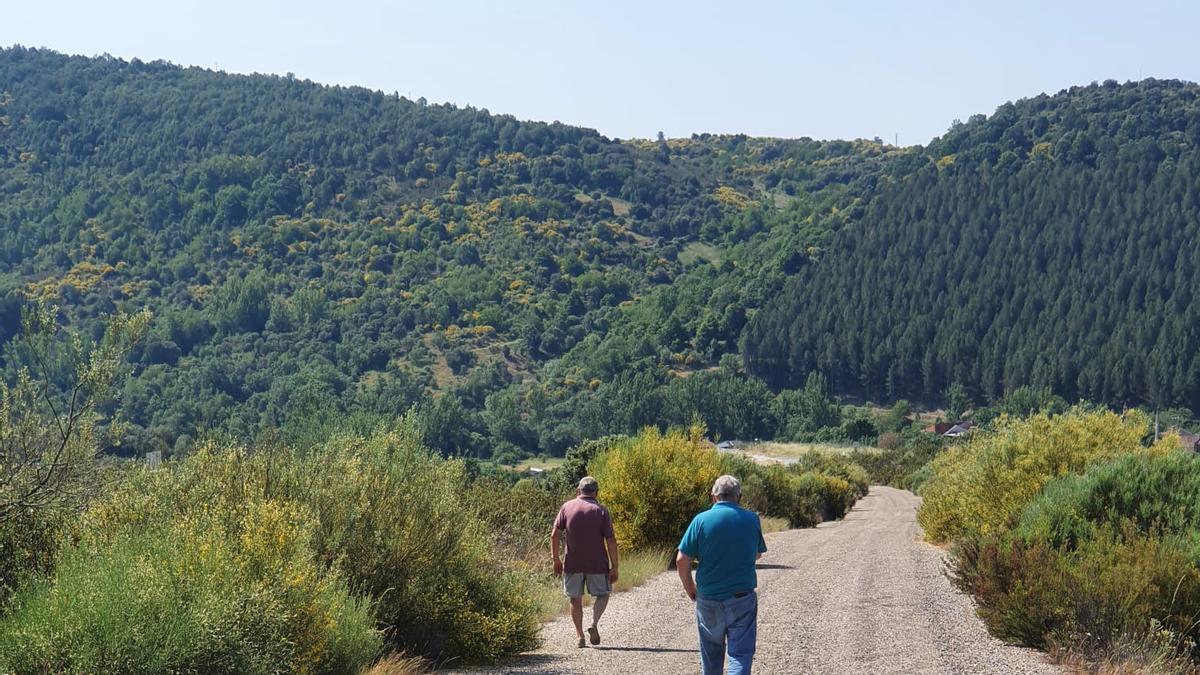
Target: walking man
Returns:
[727, 539]
[591, 555]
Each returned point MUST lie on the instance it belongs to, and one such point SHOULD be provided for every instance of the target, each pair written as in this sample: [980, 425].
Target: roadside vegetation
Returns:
[276, 560]
[1077, 533]
[368, 550]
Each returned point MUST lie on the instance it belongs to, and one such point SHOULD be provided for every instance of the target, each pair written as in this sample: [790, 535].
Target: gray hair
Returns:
[727, 488]
[588, 485]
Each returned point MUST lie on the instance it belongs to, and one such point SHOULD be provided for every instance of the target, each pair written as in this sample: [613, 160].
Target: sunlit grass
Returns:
[398, 664]
[771, 524]
[544, 463]
[772, 449]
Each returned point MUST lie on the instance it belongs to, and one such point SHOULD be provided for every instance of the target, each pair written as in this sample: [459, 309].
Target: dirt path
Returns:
[861, 595]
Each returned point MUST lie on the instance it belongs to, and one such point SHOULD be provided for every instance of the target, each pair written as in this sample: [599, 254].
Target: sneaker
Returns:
[582, 642]
[594, 635]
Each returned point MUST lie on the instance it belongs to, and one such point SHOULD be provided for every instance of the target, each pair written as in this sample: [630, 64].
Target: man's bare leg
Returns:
[577, 615]
[601, 601]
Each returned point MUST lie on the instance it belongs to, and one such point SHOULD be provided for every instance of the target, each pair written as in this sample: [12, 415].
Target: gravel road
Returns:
[860, 595]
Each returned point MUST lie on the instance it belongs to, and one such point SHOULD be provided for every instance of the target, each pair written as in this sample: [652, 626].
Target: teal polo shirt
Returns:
[726, 539]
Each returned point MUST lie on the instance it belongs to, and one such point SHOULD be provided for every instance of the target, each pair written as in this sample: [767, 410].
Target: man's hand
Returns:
[683, 563]
[558, 567]
[612, 576]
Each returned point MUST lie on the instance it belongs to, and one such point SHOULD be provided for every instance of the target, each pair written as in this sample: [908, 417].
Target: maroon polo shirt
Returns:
[587, 525]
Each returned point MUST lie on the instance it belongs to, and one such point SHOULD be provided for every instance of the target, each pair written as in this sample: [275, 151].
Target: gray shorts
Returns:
[597, 584]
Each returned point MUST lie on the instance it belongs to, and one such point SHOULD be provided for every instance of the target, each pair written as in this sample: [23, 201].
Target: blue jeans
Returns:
[733, 622]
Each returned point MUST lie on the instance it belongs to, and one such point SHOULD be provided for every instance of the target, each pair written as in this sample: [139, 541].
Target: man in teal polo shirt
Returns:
[727, 539]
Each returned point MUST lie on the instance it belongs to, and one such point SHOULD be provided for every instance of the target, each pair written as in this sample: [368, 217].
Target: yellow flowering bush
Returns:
[275, 561]
[191, 594]
[980, 487]
[653, 484]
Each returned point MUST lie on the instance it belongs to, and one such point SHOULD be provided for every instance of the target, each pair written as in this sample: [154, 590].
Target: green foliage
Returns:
[302, 243]
[518, 514]
[575, 465]
[803, 414]
[1049, 244]
[1113, 587]
[1022, 402]
[29, 546]
[392, 520]
[654, 484]
[1084, 541]
[224, 590]
[366, 539]
[816, 488]
[730, 405]
[957, 401]
[1148, 494]
[1015, 461]
[906, 466]
[50, 414]
[50, 419]
[895, 419]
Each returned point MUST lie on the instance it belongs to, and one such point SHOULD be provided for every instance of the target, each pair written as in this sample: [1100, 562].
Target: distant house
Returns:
[948, 429]
[1189, 440]
[957, 430]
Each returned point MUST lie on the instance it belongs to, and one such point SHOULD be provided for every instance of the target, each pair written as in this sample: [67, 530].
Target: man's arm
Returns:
[613, 559]
[684, 564]
[554, 534]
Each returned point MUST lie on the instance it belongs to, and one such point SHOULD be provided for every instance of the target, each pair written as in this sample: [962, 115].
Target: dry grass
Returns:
[398, 664]
[1139, 664]
[620, 206]
[546, 463]
[700, 251]
[791, 450]
[771, 524]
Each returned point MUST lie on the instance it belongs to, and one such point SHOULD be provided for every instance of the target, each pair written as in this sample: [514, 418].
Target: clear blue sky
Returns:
[831, 69]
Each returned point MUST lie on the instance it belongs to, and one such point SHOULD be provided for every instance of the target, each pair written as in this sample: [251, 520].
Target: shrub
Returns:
[392, 517]
[888, 440]
[29, 545]
[906, 465]
[653, 484]
[838, 466]
[1099, 565]
[803, 505]
[1117, 587]
[575, 464]
[1154, 494]
[982, 485]
[380, 515]
[518, 515]
[817, 487]
[213, 592]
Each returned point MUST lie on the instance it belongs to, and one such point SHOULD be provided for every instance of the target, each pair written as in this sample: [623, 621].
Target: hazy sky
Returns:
[832, 69]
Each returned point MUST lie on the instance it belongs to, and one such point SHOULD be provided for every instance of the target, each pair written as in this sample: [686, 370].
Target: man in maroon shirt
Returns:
[591, 554]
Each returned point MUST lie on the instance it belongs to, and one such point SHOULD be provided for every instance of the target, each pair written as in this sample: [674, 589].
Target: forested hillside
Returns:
[324, 255]
[1054, 243]
[319, 257]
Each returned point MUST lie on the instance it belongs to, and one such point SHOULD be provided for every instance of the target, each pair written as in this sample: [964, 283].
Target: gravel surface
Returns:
[860, 595]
